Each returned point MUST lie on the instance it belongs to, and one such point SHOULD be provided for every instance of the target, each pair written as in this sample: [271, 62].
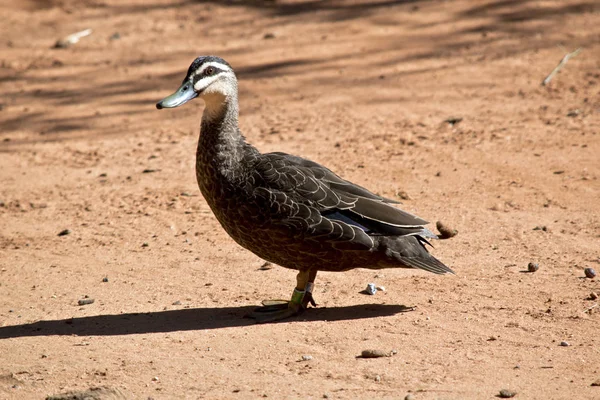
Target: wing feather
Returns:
[320, 203]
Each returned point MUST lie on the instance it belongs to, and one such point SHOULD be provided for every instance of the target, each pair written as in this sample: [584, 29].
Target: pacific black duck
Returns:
[289, 210]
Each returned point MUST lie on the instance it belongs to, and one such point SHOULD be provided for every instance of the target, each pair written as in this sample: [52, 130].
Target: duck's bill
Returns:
[184, 94]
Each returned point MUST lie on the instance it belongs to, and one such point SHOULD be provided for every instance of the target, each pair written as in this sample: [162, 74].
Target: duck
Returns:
[289, 210]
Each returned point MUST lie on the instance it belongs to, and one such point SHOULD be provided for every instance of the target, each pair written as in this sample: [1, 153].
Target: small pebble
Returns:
[176, 303]
[145, 244]
[377, 378]
[155, 379]
[541, 228]
[83, 302]
[371, 289]
[453, 120]
[403, 195]
[590, 273]
[564, 344]
[370, 353]
[446, 231]
[532, 267]
[266, 266]
[64, 232]
[307, 358]
[326, 395]
[507, 394]
[596, 383]
[105, 279]
[593, 296]
[409, 396]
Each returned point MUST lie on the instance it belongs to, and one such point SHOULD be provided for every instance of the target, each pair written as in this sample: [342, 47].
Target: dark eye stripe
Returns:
[216, 71]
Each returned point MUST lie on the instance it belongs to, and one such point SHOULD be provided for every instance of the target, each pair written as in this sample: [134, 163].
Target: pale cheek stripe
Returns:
[204, 82]
[215, 64]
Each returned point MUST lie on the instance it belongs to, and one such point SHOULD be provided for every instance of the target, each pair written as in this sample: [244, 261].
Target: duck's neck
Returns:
[221, 146]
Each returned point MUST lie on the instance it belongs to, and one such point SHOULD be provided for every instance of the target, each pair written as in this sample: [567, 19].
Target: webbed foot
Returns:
[276, 310]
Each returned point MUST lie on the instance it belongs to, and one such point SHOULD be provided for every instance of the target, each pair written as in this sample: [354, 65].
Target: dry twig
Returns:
[587, 310]
[560, 65]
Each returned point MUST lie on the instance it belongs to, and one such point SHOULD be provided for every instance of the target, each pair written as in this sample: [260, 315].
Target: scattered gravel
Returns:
[507, 394]
[403, 195]
[446, 231]
[85, 301]
[266, 266]
[371, 289]
[453, 120]
[93, 393]
[532, 267]
[590, 273]
[370, 353]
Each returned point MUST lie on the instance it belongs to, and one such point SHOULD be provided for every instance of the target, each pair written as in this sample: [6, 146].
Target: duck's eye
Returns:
[209, 71]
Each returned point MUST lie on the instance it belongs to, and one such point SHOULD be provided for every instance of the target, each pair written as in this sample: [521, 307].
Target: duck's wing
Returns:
[316, 201]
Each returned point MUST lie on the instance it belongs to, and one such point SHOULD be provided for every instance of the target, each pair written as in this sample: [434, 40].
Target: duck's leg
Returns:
[308, 289]
[275, 310]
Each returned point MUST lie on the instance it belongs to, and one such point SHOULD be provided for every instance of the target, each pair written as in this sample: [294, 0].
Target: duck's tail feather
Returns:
[410, 252]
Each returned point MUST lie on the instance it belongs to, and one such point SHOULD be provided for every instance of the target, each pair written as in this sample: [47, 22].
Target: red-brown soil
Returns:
[362, 87]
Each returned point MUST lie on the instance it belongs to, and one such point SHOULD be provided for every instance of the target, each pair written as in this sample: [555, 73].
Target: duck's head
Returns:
[210, 78]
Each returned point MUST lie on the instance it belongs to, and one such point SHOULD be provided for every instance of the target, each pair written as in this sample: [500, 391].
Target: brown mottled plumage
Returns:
[286, 209]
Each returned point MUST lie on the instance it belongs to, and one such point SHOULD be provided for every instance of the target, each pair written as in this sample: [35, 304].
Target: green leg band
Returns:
[297, 296]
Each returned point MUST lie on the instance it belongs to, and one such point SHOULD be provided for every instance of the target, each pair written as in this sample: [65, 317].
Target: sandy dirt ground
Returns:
[366, 88]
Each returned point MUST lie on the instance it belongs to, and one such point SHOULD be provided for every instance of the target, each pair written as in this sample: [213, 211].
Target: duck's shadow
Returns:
[184, 320]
